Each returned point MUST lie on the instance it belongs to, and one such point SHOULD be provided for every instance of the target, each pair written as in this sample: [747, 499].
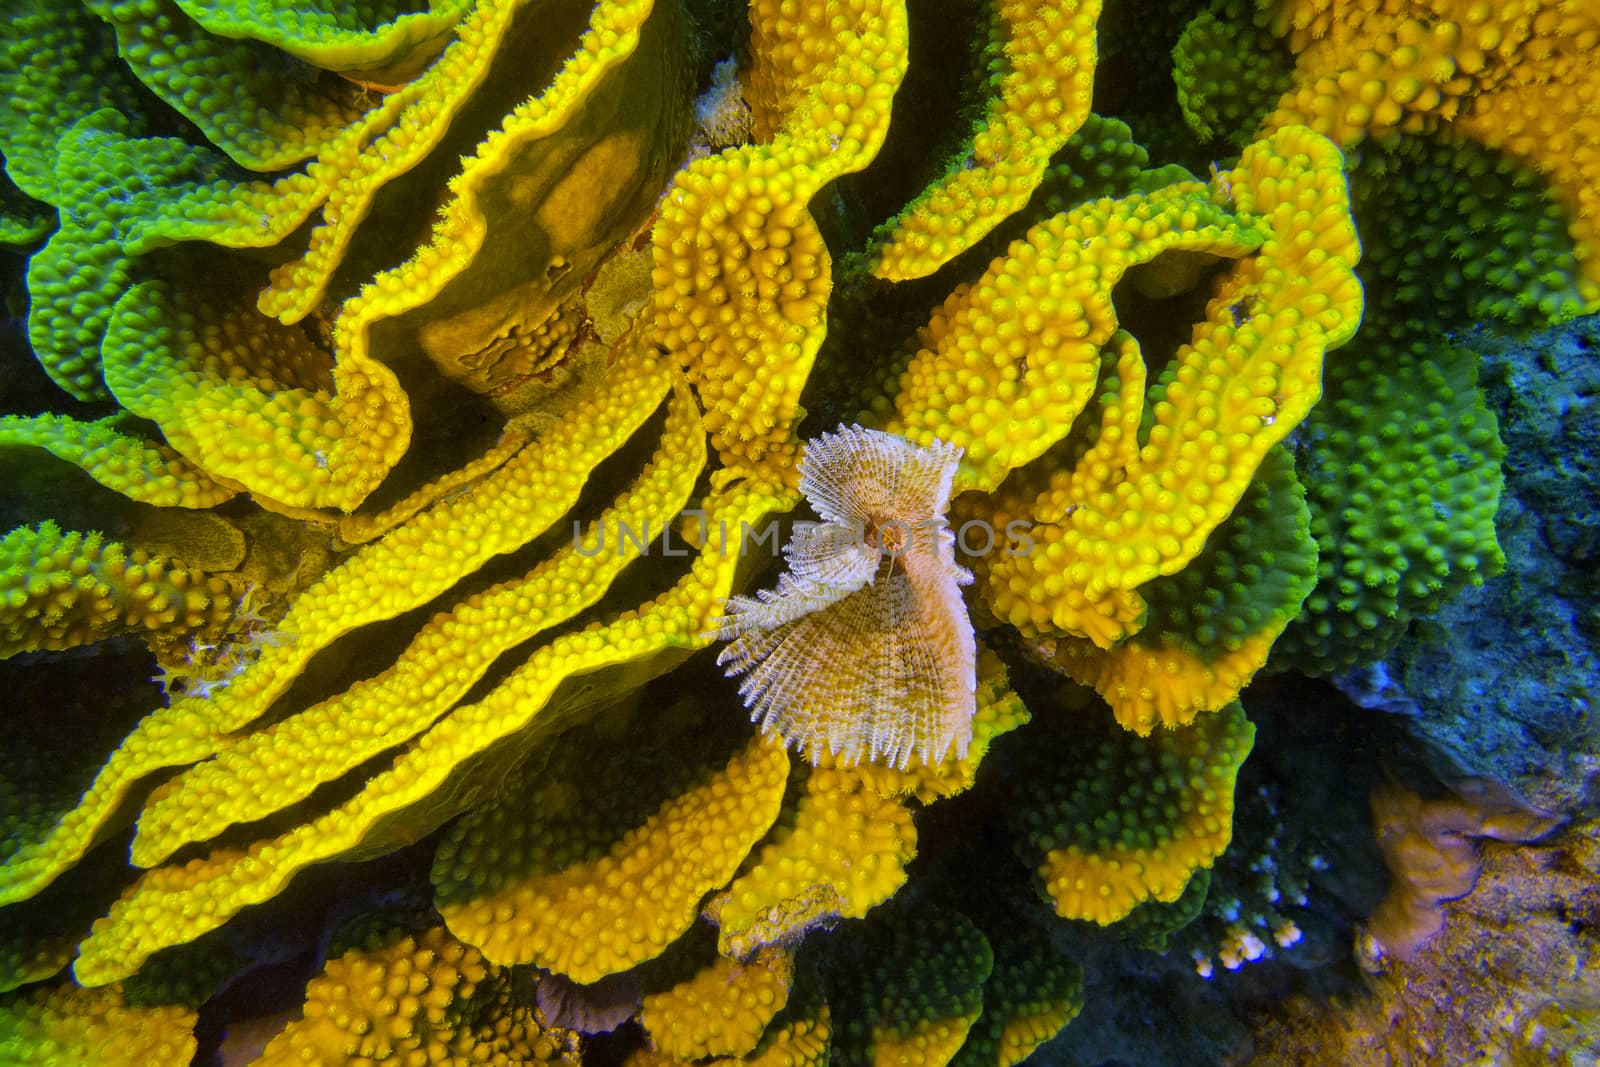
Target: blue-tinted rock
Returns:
[1501, 682]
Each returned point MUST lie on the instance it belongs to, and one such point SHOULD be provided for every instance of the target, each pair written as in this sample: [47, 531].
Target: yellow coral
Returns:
[388, 53]
[253, 778]
[845, 834]
[1033, 991]
[382, 144]
[172, 905]
[568, 174]
[917, 988]
[1125, 512]
[1009, 361]
[64, 1024]
[796, 1039]
[415, 998]
[587, 882]
[564, 872]
[721, 1010]
[62, 589]
[360, 528]
[133, 466]
[411, 566]
[248, 400]
[1047, 50]
[1210, 626]
[839, 849]
[1517, 78]
[799, 1036]
[260, 405]
[1151, 813]
[742, 276]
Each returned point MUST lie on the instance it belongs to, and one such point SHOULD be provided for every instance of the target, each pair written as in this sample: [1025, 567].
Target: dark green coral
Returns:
[1096, 786]
[1453, 235]
[1229, 73]
[1401, 462]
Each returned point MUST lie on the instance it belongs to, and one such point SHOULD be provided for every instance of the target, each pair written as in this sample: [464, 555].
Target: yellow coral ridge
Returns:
[280, 765]
[408, 568]
[1249, 374]
[387, 54]
[568, 175]
[797, 1038]
[206, 78]
[742, 276]
[1048, 49]
[1032, 992]
[1554, 127]
[839, 849]
[1033, 1024]
[27, 955]
[722, 1010]
[800, 1036]
[1517, 78]
[134, 467]
[415, 998]
[361, 528]
[1162, 831]
[931, 1043]
[1160, 681]
[571, 165]
[573, 887]
[64, 589]
[387, 141]
[39, 937]
[1009, 361]
[1211, 625]
[65, 1024]
[174, 905]
[250, 400]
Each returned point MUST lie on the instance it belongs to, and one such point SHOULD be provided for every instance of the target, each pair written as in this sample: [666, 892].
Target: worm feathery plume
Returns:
[865, 648]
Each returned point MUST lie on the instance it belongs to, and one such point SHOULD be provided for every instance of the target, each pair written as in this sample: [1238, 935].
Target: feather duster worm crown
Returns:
[864, 649]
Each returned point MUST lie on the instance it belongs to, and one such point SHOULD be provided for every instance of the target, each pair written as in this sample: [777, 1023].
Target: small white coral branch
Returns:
[865, 649]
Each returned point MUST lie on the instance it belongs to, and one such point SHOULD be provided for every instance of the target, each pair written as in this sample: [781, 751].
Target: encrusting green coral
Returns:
[496, 380]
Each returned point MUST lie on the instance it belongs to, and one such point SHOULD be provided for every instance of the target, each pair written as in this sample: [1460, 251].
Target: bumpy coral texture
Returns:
[59, 589]
[477, 372]
[419, 997]
[841, 842]
[1516, 79]
[722, 1010]
[1141, 824]
[1470, 129]
[1041, 61]
[64, 1024]
[586, 875]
